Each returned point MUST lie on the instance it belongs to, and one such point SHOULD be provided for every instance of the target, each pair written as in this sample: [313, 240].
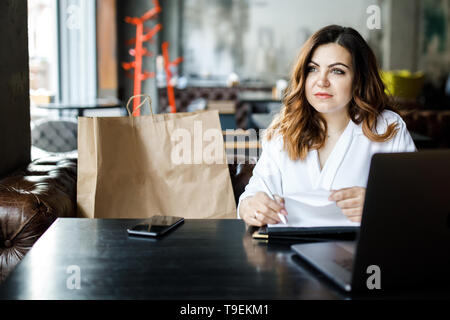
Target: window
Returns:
[77, 51]
[63, 67]
[42, 46]
[62, 50]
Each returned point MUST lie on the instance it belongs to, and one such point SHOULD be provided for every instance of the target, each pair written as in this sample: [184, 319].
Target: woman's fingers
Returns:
[347, 193]
[270, 208]
[258, 219]
[275, 209]
[352, 212]
[357, 218]
[265, 218]
[351, 202]
[253, 221]
[279, 199]
[268, 213]
[262, 210]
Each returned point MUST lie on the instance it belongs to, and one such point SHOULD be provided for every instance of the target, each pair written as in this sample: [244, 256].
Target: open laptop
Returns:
[405, 228]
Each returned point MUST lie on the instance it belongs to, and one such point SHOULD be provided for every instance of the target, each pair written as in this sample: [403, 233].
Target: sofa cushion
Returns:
[30, 200]
[241, 170]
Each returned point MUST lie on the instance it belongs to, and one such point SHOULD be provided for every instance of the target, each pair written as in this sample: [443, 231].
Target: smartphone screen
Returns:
[155, 226]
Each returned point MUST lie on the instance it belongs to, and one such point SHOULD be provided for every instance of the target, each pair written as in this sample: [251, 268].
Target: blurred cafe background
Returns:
[233, 56]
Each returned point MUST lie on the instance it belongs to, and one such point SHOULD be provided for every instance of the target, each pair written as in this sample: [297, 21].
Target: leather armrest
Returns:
[30, 200]
[241, 170]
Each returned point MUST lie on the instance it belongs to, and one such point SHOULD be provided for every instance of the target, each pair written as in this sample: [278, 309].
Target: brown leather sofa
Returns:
[434, 124]
[33, 198]
[30, 201]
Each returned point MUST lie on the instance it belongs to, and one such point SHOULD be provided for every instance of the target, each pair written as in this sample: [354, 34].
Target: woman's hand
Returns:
[260, 210]
[351, 201]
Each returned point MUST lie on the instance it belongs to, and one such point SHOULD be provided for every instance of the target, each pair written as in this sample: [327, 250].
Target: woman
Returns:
[336, 115]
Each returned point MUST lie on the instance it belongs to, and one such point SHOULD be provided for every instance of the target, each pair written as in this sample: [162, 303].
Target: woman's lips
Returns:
[323, 95]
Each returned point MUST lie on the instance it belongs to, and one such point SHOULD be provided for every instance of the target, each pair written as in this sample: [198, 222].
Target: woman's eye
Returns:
[337, 71]
[312, 69]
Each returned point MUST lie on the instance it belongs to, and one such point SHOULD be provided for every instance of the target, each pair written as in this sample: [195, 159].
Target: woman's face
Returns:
[329, 79]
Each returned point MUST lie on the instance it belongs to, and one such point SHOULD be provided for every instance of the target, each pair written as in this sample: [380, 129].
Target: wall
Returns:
[417, 38]
[15, 136]
[259, 39]
[434, 49]
[402, 34]
[107, 49]
[171, 19]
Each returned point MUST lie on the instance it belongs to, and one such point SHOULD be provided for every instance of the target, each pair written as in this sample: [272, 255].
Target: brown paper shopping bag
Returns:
[162, 164]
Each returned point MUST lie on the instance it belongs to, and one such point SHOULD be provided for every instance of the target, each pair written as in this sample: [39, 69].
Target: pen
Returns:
[282, 217]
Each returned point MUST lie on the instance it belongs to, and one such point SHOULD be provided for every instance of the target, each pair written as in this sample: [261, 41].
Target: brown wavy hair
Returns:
[302, 127]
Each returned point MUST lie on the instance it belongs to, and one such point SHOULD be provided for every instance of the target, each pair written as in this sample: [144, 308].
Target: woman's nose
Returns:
[323, 80]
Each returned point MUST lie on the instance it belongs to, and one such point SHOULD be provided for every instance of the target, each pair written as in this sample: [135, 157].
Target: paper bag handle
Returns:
[146, 99]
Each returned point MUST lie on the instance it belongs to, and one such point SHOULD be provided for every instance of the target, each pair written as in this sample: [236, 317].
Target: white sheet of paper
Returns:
[313, 210]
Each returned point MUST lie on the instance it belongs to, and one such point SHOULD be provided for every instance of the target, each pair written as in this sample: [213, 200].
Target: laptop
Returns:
[404, 239]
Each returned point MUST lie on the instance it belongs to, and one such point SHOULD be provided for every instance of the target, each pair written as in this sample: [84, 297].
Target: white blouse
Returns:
[347, 165]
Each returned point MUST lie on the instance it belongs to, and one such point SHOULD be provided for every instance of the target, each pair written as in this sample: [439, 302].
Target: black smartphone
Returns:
[155, 226]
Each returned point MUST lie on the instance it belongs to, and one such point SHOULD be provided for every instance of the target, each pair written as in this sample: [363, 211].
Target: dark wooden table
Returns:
[202, 259]
[81, 107]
